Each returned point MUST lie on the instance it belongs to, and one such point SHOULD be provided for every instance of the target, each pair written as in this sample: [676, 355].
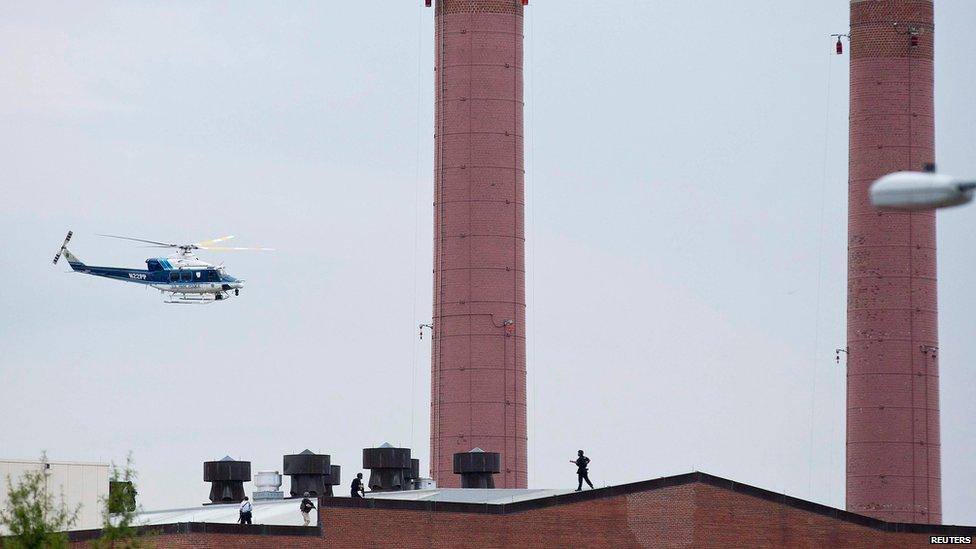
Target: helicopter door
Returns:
[174, 276]
[186, 276]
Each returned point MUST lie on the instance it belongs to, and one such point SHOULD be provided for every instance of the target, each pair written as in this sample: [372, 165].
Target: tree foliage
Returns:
[119, 511]
[32, 517]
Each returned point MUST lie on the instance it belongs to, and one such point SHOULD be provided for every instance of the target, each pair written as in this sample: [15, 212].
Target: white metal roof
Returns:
[494, 496]
[285, 511]
[278, 512]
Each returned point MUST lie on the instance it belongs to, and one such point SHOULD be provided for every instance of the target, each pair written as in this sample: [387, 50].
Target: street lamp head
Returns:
[911, 191]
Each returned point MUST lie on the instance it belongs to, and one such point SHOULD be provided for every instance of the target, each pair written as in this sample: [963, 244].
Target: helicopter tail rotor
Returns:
[64, 246]
[75, 263]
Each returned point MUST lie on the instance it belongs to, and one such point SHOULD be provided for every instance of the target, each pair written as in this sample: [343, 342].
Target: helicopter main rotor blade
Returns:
[234, 249]
[204, 243]
[186, 248]
[161, 244]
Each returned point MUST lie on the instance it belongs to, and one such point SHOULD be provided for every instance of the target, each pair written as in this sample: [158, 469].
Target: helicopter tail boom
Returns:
[76, 264]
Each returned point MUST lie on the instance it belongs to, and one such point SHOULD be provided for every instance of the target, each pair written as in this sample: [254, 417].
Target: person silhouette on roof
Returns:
[358, 490]
[306, 508]
[245, 512]
[582, 470]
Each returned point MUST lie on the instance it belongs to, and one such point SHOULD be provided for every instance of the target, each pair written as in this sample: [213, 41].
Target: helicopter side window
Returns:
[186, 276]
[213, 276]
[174, 276]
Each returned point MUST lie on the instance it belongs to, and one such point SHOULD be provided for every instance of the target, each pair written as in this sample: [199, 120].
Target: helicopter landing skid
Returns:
[196, 299]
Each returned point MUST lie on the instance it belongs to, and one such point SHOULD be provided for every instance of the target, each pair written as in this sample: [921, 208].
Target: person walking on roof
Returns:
[357, 486]
[245, 511]
[582, 470]
[306, 508]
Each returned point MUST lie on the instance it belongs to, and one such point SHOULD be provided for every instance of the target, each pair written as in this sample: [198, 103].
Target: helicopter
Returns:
[180, 277]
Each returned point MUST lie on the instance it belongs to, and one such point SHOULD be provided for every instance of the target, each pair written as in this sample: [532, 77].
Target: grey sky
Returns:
[684, 303]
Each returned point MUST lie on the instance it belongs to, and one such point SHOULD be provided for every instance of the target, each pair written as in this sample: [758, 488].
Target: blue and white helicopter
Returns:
[180, 277]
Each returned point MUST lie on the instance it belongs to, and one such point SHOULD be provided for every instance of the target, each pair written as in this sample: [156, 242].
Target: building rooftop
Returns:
[279, 512]
[490, 496]
[693, 509]
[284, 512]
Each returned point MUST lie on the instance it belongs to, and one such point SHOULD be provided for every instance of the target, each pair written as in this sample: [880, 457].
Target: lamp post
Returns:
[909, 191]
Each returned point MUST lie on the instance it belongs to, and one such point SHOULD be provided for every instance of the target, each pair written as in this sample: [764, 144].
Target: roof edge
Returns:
[644, 486]
[55, 462]
[206, 528]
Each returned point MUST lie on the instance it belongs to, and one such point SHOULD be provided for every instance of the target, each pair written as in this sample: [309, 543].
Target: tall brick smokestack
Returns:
[893, 470]
[478, 344]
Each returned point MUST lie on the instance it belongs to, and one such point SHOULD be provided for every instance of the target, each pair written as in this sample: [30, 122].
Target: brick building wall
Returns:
[693, 510]
[228, 541]
[213, 535]
[693, 515]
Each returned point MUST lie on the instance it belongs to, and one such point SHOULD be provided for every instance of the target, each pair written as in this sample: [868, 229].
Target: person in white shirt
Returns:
[245, 511]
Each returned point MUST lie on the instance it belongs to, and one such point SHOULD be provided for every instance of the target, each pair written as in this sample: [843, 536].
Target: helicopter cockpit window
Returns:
[174, 276]
[186, 276]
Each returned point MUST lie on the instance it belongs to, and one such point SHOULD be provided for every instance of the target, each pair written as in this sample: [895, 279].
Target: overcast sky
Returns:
[686, 224]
